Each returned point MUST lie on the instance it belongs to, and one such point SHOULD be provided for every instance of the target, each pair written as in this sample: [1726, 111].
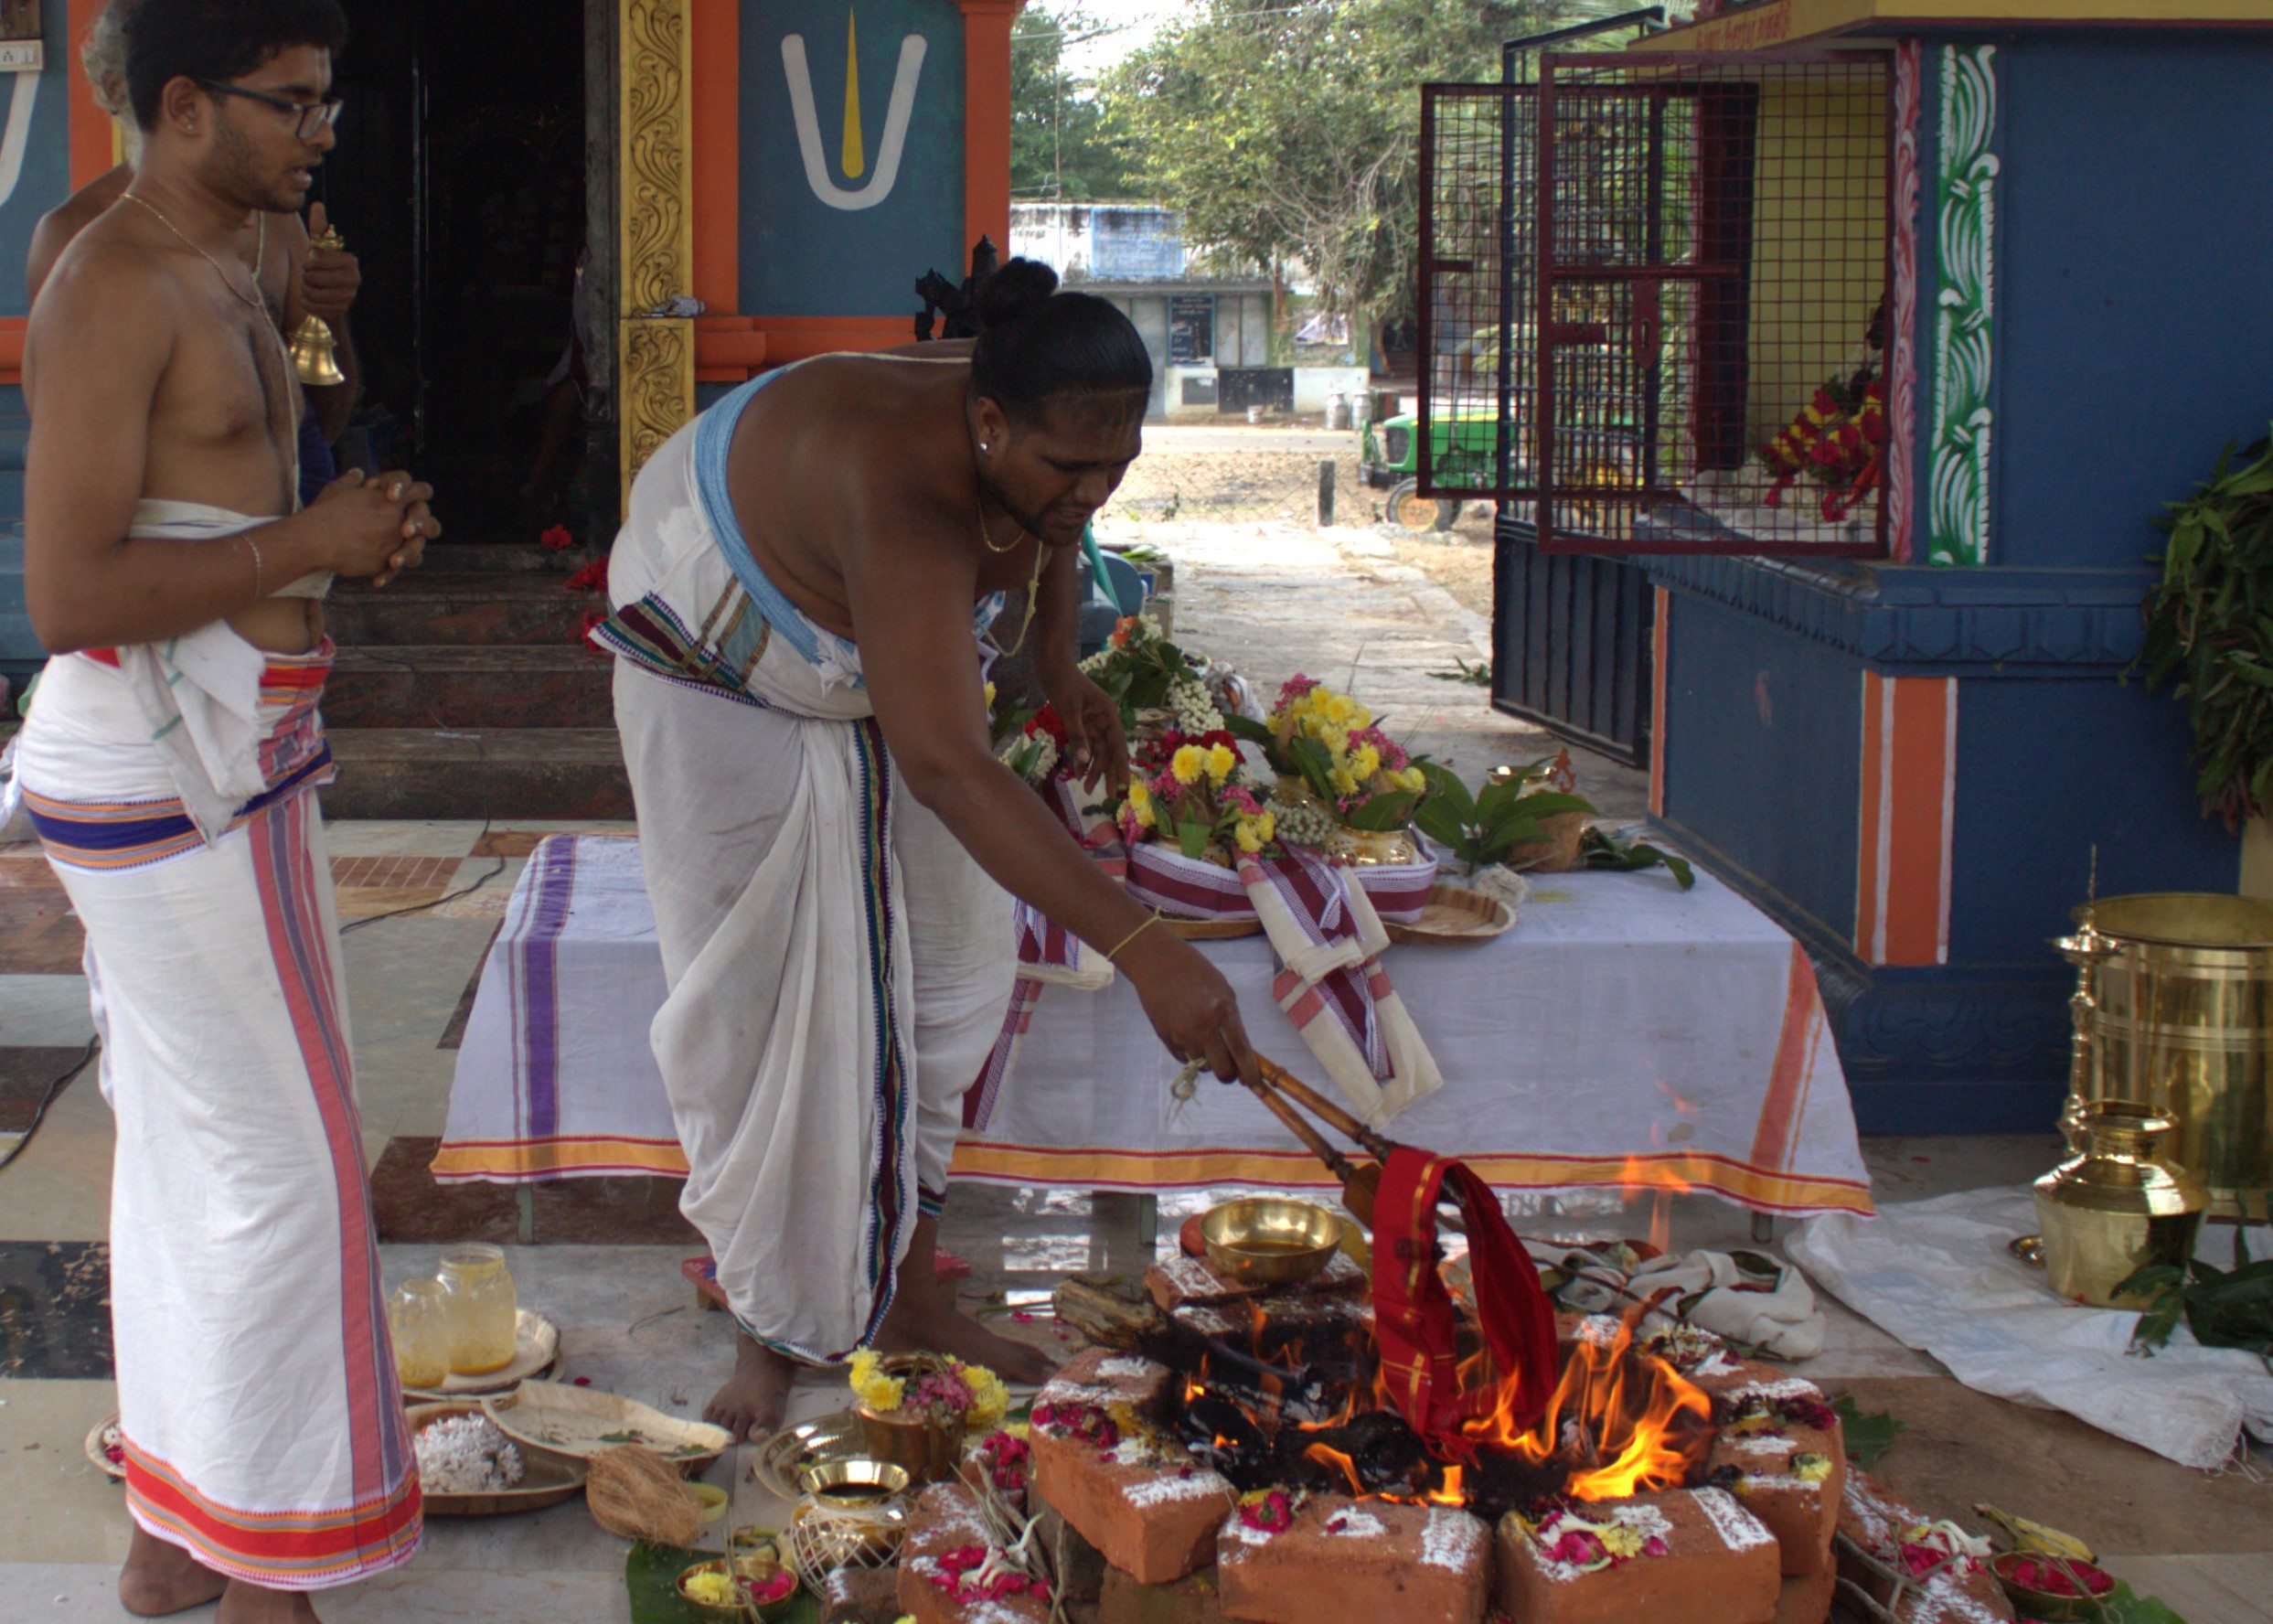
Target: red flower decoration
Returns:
[557, 539]
[593, 577]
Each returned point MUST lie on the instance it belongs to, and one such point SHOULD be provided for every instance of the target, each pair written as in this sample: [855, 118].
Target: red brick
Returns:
[1720, 1567]
[861, 1595]
[1145, 1504]
[1194, 1282]
[1801, 1514]
[1806, 1599]
[1195, 1599]
[1358, 1559]
[1873, 1517]
[946, 1519]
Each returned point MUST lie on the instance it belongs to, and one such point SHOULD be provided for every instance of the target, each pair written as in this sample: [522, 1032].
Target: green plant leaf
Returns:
[1446, 790]
[1382, 813]
[1438, 820]
[1869, 1435]
[1192, 840]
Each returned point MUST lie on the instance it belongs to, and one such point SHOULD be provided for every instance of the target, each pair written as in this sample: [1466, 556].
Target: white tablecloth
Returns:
[1624, 1033]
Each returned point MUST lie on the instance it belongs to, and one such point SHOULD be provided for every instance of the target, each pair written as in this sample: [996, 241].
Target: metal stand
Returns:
[524, 1204]
[1763, 1228]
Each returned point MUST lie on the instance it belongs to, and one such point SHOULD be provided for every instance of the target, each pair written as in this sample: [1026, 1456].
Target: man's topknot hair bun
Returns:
[1037, 343]
[1016, 289]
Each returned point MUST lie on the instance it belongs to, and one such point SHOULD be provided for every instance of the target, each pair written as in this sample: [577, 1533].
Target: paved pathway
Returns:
[1277, 598]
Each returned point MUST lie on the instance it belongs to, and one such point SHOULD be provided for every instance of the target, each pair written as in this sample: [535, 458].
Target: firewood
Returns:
[1109, 1309]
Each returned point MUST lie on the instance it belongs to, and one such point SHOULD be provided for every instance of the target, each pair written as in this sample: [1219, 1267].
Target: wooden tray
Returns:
[547, 1479]
[584, 1421]
[102, 1463]
[786, 1458]
[1455, 914]
[536, 1349]
[1212, 930]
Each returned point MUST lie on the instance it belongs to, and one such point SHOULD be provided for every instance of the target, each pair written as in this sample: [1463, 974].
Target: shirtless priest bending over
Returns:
[167, 764]
[830, 847]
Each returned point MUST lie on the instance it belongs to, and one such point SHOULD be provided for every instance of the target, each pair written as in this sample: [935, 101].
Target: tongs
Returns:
[1281, 1091]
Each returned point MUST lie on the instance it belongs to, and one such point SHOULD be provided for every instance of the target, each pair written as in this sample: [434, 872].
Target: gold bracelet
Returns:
[1153, 919]
[257, 573]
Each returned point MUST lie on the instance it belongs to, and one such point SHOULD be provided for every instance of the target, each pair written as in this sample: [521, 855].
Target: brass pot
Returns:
[927, 1450]
[1366, 848]
[2180, 1017]
[2115, 1209]
[1269, 1240]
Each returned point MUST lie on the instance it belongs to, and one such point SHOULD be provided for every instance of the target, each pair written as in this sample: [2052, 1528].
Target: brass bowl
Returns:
[2049, 1607]
[855, 1485]
[1268, 1240]
[746, 1571]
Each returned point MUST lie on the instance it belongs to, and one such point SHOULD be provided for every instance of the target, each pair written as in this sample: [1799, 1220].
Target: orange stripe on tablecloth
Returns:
[1658, 638]
[1106, 1169]
[1915, 921]
[463, 1160]
[1794, 1066]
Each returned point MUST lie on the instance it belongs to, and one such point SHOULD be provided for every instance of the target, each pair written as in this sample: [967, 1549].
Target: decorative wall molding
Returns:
[1977, 623]
[1902, 350]
[1957, 491]
[655, 351]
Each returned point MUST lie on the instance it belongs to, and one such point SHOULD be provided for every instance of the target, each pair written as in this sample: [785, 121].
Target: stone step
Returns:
[514, 685]
[564, 772]
[475, 607]
[520, 558]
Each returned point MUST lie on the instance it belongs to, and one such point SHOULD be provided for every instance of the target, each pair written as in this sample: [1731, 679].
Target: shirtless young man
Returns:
[166, 764]
[828, 838]
[293, 273]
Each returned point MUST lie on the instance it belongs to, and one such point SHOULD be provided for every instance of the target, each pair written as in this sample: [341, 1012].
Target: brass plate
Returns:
[536, 1350]
[784, 1458]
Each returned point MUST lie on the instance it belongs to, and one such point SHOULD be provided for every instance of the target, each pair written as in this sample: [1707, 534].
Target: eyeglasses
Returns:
[313, 118]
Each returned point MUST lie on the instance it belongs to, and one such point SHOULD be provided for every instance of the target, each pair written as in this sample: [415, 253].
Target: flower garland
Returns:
[1007, 1460]
[1837, 439]
[950, 1391]
[1327, 744]
[1189, 790]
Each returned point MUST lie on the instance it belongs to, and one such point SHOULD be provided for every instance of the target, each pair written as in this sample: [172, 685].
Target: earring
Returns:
[981, 447]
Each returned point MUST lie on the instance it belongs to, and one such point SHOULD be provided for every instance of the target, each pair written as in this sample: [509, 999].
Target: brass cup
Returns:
[856, 1484]
[926, 1451]
[1269, 1240]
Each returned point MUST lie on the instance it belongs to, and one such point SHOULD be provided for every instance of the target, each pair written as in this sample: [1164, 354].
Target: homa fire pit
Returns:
[1237, 1458]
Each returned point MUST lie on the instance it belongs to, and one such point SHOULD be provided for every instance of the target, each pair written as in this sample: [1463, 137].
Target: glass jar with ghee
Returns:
[477, 1288]
[417, 1317]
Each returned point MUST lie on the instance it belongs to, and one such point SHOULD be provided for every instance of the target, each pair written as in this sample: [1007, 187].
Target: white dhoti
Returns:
[256, 1392]
[838, 965]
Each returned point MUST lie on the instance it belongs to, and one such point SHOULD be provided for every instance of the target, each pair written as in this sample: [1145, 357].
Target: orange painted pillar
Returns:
[987, 121]
[714, 100]
[91, 132]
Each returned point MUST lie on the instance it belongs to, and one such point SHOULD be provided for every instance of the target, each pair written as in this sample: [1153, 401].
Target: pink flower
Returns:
[557, 539]
[1294, 688]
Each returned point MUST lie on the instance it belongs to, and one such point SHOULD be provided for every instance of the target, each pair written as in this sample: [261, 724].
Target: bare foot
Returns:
[756, 1396]
[159, 1578]
[250, 1604]
[919, 1323]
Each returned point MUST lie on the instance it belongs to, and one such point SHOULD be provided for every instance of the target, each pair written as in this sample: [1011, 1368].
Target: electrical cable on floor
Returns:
[54, 1088]
[481, 756]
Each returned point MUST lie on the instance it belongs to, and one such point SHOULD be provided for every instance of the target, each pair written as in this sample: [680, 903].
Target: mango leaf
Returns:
[1382, 813]
[1441, 824]
[1314, 763]
[2124, 1606]
[1192, 840]
[1446, 790]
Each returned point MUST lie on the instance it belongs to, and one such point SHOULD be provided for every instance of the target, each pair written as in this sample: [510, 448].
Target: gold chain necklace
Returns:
[259, 253]
[978, 507]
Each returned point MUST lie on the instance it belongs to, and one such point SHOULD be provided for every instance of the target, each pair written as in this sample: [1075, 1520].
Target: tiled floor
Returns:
[628, 1320]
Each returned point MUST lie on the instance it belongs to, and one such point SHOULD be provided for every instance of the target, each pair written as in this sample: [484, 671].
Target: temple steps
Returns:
[515, 685]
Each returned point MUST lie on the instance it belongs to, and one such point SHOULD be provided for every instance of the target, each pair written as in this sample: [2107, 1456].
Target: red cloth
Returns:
[1415, 1321]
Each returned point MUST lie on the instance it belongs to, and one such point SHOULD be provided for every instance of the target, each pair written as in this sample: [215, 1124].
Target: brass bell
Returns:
[314, 352]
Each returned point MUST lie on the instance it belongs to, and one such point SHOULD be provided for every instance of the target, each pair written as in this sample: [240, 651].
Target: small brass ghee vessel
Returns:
[923, 1448]
[2115, 1209]
[1269, 1240]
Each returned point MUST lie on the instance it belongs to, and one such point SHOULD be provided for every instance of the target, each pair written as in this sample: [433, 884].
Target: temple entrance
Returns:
[460, 183]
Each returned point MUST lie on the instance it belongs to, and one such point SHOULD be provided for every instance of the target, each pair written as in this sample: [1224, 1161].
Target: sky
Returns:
[1134, 22]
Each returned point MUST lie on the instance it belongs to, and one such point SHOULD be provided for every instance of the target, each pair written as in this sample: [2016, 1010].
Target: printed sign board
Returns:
[1192, 329]
[35, 140]
[852, 153]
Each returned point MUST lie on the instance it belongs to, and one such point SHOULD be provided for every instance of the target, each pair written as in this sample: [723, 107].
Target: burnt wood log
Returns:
[1110, 1309]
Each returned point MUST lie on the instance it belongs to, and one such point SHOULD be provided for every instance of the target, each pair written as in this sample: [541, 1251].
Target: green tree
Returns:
[1290, 130]
[1060, 146]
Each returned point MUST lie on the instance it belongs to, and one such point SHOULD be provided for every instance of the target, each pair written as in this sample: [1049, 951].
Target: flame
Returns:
[1663, 1183]
[1452, 1491]
[1327, 1456]
[1605, 1399]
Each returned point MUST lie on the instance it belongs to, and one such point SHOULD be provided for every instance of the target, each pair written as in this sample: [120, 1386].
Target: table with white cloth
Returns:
[1624, 1034]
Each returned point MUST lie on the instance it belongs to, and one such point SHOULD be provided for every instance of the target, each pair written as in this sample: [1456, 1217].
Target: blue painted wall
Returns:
[801, 256]
[42, 169]
[2135, 331]
[1766, 733]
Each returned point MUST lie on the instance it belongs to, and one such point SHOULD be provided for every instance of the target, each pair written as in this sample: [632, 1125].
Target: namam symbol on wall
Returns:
[852, 153]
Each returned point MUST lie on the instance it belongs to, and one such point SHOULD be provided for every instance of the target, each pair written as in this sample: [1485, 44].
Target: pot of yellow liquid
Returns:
[418, 1316]
[480, 1309]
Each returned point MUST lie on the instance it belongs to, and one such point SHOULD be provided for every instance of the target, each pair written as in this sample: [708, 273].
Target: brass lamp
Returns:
[315, 351]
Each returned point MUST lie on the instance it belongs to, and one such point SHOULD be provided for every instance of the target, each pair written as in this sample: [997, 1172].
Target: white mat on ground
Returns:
[1937, 1275]
[1624, 1033]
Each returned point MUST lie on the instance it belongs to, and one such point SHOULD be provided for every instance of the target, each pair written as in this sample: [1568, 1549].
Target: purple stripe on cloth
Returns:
[540, 982]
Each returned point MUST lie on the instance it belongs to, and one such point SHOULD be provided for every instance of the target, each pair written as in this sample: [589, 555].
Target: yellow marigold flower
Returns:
[1364, 718]
[1267, 825]
[1222, 759]
[990, 696]
[1250, 838]
[1336, 738]
[1620, 1539]
[1343, 780]
[1414, 779]
[990, 1400]
[1365, 760]
[871, 1386]
[1188, 762]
